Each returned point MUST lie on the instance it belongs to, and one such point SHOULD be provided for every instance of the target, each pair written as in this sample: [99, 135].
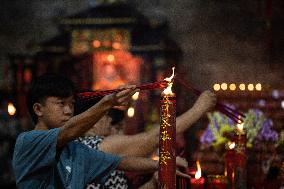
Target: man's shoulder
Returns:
[24, 134]
[34, 136]
[30, 134]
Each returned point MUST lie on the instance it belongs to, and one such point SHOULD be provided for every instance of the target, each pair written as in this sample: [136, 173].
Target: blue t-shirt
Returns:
[37, 163]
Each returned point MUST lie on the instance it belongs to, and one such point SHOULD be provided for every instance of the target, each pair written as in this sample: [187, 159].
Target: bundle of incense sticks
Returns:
[233, 114]
[95, 94]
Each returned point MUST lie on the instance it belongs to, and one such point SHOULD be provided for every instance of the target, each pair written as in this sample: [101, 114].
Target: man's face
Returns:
[56, 111]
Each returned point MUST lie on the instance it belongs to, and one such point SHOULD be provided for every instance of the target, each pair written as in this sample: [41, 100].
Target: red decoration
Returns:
[217, 182]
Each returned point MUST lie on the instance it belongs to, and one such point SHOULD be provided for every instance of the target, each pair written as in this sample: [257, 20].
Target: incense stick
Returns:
[234, 115]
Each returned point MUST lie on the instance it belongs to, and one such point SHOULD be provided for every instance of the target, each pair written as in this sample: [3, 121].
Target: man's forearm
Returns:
[184, 121]
[81, 123]
[138, 164]
[141, 145]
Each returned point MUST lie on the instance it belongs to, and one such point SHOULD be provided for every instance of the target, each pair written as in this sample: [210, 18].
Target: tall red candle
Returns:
[230, 163]
[167, 157]
[240, 177]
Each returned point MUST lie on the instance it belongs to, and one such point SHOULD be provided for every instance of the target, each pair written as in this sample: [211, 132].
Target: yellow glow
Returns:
[110, 58]
[135, 96]
[198, 172]
[130, 112]
[11, 109]
[242, 87]
[155, 157]
[250, 87]
[224, 86]
[96, 43]
[240, 125]
[168, 90]
[169, 79]
[216, 87]
[116, 45]
[232, 86]
[258, 87]
[231, 145]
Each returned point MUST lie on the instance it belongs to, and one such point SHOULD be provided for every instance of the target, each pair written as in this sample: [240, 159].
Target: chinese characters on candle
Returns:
[167, 160]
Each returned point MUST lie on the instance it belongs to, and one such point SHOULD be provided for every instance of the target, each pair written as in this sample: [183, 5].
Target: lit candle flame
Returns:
[168, 90]
[130, 112]
[240, 125]
[231, 145]
[11, 109]
[198, 172]
[169, 79]
[135, 96]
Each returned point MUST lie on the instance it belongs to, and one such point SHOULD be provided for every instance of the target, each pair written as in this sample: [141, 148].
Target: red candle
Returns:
[167, 158]
[230, 163]
[197, 182]
[240, 159]
[217, 182]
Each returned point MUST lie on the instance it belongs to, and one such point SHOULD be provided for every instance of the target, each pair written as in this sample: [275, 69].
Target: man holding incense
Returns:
[104, 135]
[48, 157]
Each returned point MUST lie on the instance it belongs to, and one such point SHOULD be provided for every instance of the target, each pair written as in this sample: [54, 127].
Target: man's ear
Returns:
[38, 109]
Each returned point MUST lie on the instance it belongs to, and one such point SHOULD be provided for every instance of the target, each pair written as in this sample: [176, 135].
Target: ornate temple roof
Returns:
[104, 15]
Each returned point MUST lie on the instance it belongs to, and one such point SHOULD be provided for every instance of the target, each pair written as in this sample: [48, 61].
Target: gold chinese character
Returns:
[165, 136]
[164, 156]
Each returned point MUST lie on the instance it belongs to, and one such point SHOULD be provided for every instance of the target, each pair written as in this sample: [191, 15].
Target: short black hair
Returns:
[82, 105]
[48, 85]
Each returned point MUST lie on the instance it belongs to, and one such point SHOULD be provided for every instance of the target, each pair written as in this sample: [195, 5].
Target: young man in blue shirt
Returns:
[48, 157]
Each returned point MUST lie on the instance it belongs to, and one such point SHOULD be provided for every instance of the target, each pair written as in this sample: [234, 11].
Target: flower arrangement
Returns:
[280, 142]
[258, 127]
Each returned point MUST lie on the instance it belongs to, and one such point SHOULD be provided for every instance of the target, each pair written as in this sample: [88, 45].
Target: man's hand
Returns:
[79, 124]
[181, 162]
[206, 101]
[121, 98]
